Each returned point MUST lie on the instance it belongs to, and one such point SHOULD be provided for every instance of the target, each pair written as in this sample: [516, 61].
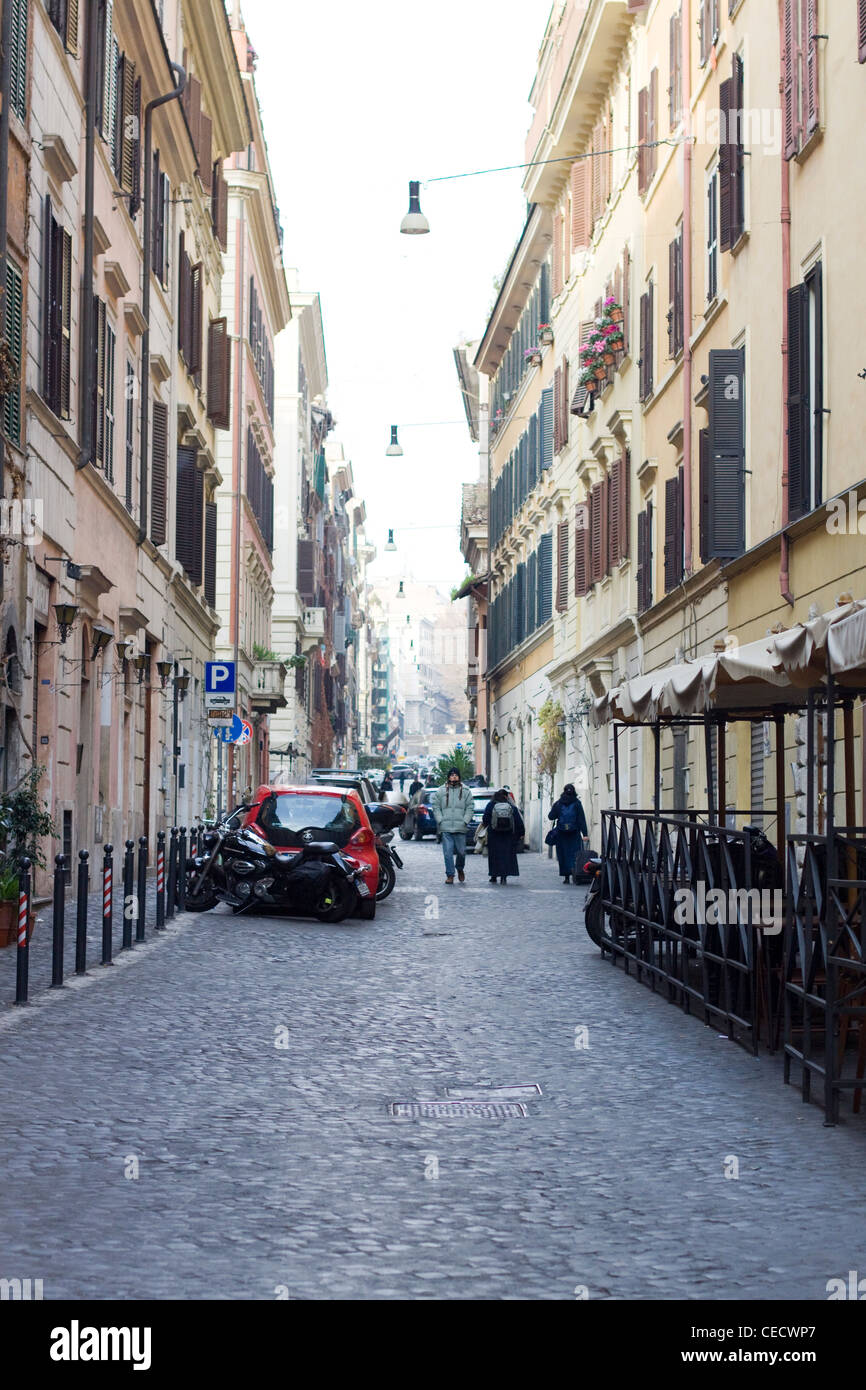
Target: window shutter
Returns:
[704, 23]
[70, 38]
[518, 613]
[624, 501]
[557, 254]
[127, 125]
[12, 328]
[562, 566]
[156, 219]
[557, 410]
[581, 551]
[672, 284]
[306, 571]
[109, 78]
[205, 161]
[65, 344]
[564, 423]
[99, 393]
[644, 307]
[596, 563]
[652, 123]
[582, 393]
[159, 473]
[580, 210]
[861, 30]
[810, 85]
[614, 518]
[219, 373]
[185, 507]
[642, 547]
[673, 533]
[18, 58]
[725, 153]
[531, 593]
[799, 490]
[789, 81]
[183, 307]
[735, 136]
[210, 552]
[727, 506]
[532, 448]
[135, 200]
[673, 34]
[642, 100]
[220, 206]
[597, 173]
[547, 427]
[626, 285]
[192, 109]
[704, 486]
[545, 581]
[195, 333]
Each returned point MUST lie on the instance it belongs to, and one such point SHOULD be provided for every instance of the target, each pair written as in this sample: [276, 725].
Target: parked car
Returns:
[480, 797]
[420, 820]
[290, 817]
[357, 781]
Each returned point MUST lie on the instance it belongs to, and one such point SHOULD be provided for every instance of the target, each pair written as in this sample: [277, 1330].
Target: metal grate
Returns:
[457, 1110]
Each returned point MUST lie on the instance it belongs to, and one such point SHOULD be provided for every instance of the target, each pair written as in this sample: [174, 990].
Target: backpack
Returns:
[502, 817]
[568, 818]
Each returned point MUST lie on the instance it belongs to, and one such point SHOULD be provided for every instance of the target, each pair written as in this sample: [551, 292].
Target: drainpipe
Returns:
[784, 575]
[87, 355]
[175, 92]
[685, 64]
[237, 426]
[6, 92]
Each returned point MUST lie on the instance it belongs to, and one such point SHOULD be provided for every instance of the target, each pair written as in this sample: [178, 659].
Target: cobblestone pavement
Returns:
[244, 1066]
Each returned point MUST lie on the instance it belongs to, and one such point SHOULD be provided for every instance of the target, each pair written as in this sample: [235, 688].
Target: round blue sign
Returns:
[230, 733]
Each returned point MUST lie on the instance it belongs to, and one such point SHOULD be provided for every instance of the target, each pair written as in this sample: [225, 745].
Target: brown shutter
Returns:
[653, 123]
[597, 172]
[605, 525]
[810, 84]
[642, 548]
[195, 334]
[156, 236]
[562, 566]
[135, 200]
[861, 30]
[205, 163]
[614, 519]
[625, 506]
[185, 508]
[221, 215]
[581, 549]
[725, 167]
[673, 533]
[705, 30]
[99, 393]
[626, 285]
[596, 537]
[563, 423]
[126, 99]
[210, 552]
[672, 288]
[580, 209]
[159, 473]
[673, 89]
[182, 299]
[557, 255]
[557, 410]
[642, 163]
[219, 374]
[70, 39]
[192, 110]
[790, 131]
[65, 290]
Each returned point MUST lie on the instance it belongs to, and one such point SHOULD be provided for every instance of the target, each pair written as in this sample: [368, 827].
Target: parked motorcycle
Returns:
[384, 818]
[241, 868]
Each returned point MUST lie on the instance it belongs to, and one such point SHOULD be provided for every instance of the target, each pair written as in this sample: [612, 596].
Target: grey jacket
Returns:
[453, 808]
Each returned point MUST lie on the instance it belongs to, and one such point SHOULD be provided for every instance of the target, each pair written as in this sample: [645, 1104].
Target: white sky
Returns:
[356, 100]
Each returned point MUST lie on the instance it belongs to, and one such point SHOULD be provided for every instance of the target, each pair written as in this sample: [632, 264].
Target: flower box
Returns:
[545, 334]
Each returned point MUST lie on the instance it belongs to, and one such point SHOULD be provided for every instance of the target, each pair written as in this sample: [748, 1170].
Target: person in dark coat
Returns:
[570, 829]
[385, 786]
[502, 837]
[415, 786]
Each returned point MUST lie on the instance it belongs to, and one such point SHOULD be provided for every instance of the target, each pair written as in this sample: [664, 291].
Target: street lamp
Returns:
[394, 449]
[390, 546]
[181, 684]
[66, 615]
[140, 662]
[165, 669]
[102, 636]
[414, 223]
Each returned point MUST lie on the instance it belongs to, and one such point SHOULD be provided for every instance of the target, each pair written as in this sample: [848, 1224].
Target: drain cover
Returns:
[457, 1110]
[523, 1092]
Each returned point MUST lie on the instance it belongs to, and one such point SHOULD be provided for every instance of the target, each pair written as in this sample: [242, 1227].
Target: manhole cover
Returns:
[527, 1091]
[457, 1110]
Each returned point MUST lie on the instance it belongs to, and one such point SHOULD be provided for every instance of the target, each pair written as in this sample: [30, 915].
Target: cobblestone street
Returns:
[243, 1068]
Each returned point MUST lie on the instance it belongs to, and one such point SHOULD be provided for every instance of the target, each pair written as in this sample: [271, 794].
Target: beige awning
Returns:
[802, 652]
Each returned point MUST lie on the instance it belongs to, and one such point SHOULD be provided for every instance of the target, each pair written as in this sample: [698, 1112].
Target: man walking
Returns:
[453, 808]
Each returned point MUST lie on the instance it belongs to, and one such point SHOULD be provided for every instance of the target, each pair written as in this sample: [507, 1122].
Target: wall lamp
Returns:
[102, 636]
[141, 661]
[395, 448]
[181, 684]
[66, 615]
[165, 669]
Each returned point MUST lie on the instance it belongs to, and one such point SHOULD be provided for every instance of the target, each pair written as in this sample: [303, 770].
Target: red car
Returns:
[288, 816]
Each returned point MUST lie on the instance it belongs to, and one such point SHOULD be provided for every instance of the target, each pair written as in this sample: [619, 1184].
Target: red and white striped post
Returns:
[22, 964]
[107, 903]
[160, 880]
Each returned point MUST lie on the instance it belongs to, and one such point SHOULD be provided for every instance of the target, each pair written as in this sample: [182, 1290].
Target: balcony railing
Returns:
[314, 623]
[269, 678]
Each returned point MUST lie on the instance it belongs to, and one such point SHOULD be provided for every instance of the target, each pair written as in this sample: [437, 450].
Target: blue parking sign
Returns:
[219, 678]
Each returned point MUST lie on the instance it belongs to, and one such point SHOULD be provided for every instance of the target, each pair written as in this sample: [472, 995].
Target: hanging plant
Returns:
[551, 719]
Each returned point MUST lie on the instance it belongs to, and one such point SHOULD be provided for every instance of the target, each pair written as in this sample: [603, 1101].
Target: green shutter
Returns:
[18, 58]
[12, 332]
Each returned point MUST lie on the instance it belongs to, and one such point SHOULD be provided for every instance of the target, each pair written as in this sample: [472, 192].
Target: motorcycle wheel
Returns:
[336, 901]
[201, 902]
[404, 834]
[594, 920]
[387, 879]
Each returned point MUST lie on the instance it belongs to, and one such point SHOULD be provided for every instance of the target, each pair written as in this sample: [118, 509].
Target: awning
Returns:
[802, 652]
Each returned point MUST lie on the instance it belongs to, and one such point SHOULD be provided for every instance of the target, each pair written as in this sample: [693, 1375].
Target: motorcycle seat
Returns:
[323, 846]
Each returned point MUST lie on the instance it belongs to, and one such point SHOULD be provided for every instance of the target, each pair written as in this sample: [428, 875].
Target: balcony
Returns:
[269, 678]
[314, 627]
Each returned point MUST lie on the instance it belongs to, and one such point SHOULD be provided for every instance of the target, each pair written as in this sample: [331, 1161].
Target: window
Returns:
[106, 74]
[713, 236]
[189, 514]
[800, 97]
[12, 332]
[708, 21]
[560, 407]
[675, 311]
[261, 349]
[189, 338]
[18, 59]
[260, 493]
[731, 161]
[130, 388]
[219, 205]
[127, 146]
[618, 508]
[645, 361]
[160, 222]
[546, 423]
[722, 459]
[674, 529]
[562, 567]
[108, 399]
[645, 558]
[56, 314]
[805, 394]
[219, 373]
[675, 90]
[64, 16]
[210, 551]
[647, 122]
[159, 473]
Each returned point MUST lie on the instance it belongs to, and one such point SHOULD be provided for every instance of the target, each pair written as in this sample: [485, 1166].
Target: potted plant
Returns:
[24, 822]
[613, 309]
[532, 357]
[545, 334]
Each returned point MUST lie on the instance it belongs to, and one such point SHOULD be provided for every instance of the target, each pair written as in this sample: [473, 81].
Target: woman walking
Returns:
[505, 831]
[569, 830]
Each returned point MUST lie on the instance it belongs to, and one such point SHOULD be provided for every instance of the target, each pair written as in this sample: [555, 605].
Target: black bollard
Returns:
[81, 913]
[107, 903]
[160, 880]
[128, 894]
[22, 963]
[59, 921]
[181, 870]
[142, 888]
[171, 904]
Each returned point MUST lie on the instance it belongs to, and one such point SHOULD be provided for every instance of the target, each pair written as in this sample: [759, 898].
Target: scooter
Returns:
[384, 819]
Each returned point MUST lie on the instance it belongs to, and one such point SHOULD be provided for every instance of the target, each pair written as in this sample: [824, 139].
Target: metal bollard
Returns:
[142, 888]
[59, 921]
[107, 903]
[181, 870]
[160, 880]
[22, 963]
[128, 894]
[81, 913]
[172, 873]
